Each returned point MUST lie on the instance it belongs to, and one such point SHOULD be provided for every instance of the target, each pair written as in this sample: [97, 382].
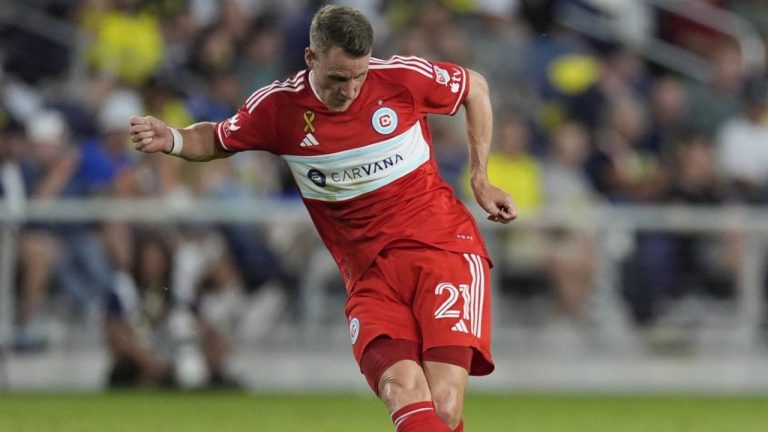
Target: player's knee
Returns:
[449, 404]
[398, 391]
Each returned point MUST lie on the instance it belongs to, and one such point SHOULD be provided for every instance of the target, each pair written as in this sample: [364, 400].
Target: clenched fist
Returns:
[495, 201]
[150, 135]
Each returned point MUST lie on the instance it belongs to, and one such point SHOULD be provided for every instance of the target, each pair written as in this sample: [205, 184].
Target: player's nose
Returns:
[349, 91]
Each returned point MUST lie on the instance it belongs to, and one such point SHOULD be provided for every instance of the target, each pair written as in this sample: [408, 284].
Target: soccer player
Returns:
[353, 131]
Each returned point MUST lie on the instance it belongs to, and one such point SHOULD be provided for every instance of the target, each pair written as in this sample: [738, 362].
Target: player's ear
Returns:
[309, 57]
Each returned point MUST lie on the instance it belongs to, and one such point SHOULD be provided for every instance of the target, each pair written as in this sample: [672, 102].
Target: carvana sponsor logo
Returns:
[350, 173]
[366, 170]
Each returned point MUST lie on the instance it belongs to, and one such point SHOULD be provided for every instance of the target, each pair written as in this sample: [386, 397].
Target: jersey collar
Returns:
[312, 85]
[351, 108]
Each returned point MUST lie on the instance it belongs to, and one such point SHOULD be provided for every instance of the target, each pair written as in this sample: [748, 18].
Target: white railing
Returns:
[608, 26]
[604, 221]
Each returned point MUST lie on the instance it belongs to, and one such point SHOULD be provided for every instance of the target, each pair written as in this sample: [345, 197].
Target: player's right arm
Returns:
[151, 135]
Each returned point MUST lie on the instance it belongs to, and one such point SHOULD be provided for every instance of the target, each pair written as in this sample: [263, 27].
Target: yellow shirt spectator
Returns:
[128, 45]
[512, 168]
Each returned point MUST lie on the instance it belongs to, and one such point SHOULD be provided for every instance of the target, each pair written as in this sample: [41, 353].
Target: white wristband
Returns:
[178, 142]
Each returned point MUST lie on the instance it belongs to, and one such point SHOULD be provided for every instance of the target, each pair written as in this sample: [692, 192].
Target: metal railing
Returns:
[606, 27]
[604, 222]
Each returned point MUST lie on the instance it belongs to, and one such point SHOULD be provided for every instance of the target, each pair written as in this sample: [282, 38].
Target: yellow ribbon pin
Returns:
[309, 117]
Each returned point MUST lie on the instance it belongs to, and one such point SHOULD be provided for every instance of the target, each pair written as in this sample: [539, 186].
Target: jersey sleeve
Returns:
[249, 128]
[437, 87]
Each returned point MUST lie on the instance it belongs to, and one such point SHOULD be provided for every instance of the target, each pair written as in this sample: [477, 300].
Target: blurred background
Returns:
[633, 136]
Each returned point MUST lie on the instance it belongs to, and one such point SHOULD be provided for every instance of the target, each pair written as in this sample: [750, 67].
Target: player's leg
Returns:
[385, 335]
[393, 370]
[445, 291]
[447, 384]
[452, 307]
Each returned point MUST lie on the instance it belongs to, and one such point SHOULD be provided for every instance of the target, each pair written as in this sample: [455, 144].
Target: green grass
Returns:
[222, 412]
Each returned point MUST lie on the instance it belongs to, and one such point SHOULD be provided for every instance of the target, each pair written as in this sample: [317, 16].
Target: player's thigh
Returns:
[402, 384]
[374, 311]
[452, 305]
[447, 384]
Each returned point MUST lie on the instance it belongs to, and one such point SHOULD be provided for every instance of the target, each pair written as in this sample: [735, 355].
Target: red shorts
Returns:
[432, 297]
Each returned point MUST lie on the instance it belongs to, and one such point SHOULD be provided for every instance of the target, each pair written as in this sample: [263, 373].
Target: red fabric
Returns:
[418, 417]
[370, 185]
[456, 355]
[382, 353]
[428, 296]
[460, 427]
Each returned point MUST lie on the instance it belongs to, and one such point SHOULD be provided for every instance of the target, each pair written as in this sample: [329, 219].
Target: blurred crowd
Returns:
[579, 122]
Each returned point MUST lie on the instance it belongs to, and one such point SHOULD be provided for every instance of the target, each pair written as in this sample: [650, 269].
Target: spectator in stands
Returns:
[667, 266]
[235, 18]
[512, 166]
[571, 252]
[262, 62]
[108, 170]
[127, 42]
[192, 261]
[143, 326]
[621, 168]
[213, 51]
[131, 316]
[161, 97]
[712, 102]
[625, 172]
[71, 255]
[451, 155]
[32, 286]
[34, 56]
[668, 108]
[180, 27]
[742, 146]
[705, 262]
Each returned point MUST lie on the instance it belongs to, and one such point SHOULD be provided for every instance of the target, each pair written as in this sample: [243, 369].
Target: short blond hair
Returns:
[343, 27]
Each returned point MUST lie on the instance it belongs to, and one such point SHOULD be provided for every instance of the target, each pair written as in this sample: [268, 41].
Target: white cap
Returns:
[46, 126]
[117, 109]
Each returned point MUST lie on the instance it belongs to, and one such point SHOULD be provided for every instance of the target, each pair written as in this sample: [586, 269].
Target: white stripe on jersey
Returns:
[290, 88]
[399, 66]
[294, 84]
[472, 293]
[290, 81]
[421, 66]
[410, 61]
[481, 294]
[256, 102]
[351, 173]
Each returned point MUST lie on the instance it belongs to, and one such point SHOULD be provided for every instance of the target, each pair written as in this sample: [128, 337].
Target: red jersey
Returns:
[367, 175]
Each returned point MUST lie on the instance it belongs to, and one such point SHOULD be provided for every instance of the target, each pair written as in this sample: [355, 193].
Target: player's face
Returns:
[338, 77]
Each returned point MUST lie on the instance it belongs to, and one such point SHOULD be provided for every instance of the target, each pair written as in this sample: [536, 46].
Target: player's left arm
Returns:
[479, 120]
